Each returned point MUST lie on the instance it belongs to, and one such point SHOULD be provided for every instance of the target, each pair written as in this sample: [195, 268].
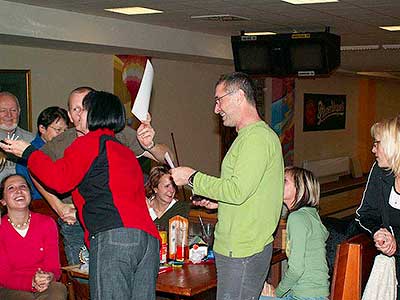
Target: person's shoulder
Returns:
[126, 132]
[43, 219]
[297, 217]
[67, 137]
[24, 134]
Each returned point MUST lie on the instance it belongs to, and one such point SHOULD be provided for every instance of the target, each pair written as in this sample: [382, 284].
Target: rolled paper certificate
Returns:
[169, 160]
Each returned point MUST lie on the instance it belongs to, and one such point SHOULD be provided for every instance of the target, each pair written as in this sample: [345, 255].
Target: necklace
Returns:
[19, 226]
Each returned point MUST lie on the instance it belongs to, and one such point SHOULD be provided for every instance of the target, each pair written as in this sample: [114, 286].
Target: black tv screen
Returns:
[282, 55]
[306, 56]
[253, 58]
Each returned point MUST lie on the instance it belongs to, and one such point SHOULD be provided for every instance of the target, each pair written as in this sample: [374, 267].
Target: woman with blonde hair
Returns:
[379, 212]
[307, 275]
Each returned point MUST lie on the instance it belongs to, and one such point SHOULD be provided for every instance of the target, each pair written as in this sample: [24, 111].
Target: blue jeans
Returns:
[73, 240]
[242, 278]
[123, 264]
[290, 297]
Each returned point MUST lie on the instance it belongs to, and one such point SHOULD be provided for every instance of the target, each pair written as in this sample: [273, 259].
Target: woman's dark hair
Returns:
[3, 182]
[51, 114]
[3, 209]
[104, 110]
[154, 179]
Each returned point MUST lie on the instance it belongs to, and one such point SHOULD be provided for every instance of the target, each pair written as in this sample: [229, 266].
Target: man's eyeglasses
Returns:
[77, 110]
[218, 99]
[12, 111]
[58, 130]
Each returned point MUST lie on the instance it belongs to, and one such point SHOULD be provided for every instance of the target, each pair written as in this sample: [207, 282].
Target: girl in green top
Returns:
[307, 275]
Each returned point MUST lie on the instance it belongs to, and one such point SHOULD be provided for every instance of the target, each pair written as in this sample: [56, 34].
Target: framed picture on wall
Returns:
[324, 112]
[18, 83]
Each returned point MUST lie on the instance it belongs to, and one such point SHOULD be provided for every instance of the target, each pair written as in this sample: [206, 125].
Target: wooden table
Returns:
[187, 281]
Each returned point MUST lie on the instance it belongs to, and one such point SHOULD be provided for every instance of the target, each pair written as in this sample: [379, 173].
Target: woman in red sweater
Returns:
[29, 257]
[108, 191]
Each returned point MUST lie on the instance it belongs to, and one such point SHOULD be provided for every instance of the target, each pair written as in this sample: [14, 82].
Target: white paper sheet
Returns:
[169, 160]
[141, 106]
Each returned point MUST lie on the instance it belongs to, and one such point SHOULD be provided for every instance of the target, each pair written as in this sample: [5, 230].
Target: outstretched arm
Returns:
[66, 212]
[145, 135]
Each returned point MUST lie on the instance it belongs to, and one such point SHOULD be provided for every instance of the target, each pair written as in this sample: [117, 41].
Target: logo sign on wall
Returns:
[324, 112]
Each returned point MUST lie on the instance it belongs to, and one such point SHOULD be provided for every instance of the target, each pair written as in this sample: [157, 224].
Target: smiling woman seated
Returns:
[160, 192]
[29, 256]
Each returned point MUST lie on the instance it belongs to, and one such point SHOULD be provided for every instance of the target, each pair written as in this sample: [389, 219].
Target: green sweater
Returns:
[307, 273]
[249, 192]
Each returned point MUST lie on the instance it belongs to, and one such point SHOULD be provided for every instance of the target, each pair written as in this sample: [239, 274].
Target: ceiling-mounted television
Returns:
[282, 55]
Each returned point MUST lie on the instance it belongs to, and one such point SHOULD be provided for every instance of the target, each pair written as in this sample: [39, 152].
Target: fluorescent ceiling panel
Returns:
[137, 10]
[309, 1]
[390, 28]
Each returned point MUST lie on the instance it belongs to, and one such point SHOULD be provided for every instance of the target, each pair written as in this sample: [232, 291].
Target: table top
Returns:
[188, 280]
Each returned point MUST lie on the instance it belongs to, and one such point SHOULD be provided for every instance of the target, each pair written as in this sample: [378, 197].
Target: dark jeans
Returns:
[56, 291]
[242, 278]
[123, 264]
[73, 240]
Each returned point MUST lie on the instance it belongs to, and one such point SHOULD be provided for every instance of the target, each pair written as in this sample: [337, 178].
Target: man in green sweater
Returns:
[248, 194]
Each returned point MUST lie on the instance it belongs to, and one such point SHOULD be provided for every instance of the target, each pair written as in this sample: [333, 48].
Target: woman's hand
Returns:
[41, 280]
[67, 213]
[16, 147]
[385, 242]
[268, 290]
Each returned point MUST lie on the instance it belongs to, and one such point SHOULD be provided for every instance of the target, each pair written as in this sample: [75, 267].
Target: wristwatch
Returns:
[191, 178]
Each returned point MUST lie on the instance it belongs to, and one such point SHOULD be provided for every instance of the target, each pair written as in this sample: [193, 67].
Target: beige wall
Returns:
[313, 145]
[182, 101]
[54, 73]
[388, 99]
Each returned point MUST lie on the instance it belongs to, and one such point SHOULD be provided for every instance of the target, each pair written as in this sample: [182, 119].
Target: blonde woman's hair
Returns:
[387, 134]
[307, 188]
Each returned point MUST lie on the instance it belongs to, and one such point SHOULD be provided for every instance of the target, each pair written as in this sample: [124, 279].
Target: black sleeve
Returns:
[368, 215]
[28, 151]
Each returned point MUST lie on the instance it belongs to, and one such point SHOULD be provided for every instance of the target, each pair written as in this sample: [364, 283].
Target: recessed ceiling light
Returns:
[137, 10]
[390, 28]
[260, 33]
[309, 1]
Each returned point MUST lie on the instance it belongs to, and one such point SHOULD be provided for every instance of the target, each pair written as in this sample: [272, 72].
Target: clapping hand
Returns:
[41, 280]
[385, 242]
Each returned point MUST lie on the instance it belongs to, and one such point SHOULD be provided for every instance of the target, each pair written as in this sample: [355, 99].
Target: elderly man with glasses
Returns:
[9, 118]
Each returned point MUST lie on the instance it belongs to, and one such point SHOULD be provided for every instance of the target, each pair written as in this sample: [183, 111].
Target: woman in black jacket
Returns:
[379, 212]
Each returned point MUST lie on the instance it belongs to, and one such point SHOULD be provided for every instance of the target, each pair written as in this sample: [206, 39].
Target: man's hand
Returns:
[145, 133]
[206, 203]
[180, 175]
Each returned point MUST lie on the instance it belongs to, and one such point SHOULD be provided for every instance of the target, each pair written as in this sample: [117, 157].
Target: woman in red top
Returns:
[108, 192]
[29, 257]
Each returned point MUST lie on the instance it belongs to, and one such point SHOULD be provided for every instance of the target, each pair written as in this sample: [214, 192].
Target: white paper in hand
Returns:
[169, 160]
[141, 106]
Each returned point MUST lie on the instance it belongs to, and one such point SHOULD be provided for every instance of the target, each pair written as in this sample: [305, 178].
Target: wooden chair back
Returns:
[353, 263]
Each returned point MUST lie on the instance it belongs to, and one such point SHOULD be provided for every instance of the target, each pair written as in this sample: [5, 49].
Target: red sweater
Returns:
[21, 257]
[107, 186]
